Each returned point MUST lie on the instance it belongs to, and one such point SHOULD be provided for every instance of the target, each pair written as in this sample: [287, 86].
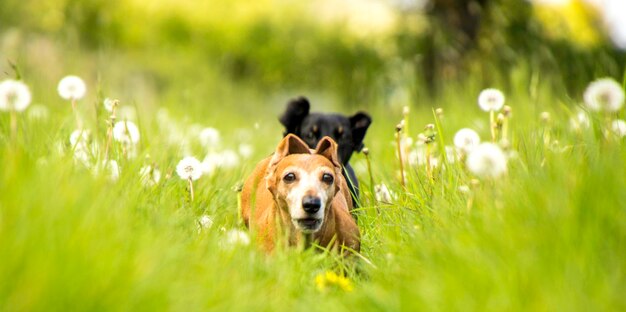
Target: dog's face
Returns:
[348, 132]
[304, 181]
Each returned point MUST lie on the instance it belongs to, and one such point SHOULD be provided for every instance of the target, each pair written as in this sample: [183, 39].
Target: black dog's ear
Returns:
[359, 123]
[297, 109]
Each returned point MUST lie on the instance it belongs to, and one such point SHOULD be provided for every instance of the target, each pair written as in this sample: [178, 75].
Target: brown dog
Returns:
[300, 195]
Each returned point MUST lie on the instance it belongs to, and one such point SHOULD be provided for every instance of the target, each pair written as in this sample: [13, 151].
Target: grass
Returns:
[550, 235]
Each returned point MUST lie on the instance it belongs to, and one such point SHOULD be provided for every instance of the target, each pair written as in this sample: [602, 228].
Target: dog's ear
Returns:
[290, 144]
[359, 123]
[293, 116]
[328, 148]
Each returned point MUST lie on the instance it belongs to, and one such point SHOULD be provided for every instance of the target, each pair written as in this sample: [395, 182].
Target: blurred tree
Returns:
[493, 36]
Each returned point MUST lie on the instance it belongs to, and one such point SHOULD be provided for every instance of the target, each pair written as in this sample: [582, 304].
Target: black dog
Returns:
[348, 132]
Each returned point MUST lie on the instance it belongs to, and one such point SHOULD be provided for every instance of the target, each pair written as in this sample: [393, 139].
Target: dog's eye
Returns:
[327, 178]
[289, 177]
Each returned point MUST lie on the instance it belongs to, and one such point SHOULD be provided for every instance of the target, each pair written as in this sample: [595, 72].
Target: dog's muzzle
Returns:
[308, 225]
[311, 205]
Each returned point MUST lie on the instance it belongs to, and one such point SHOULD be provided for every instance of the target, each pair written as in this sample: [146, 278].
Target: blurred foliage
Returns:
[492, 37]
[290, 45]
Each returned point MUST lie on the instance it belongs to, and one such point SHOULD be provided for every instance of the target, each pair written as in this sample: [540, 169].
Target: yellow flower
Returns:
[330, 279]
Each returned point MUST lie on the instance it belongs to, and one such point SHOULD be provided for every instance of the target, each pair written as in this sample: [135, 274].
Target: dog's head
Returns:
[348, 132]
[304, 181]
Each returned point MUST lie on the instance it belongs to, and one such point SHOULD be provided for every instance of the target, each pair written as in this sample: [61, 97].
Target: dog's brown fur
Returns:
[265, 211]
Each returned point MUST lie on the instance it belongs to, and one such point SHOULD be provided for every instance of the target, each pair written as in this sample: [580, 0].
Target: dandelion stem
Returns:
[470, 203]
[14, 126]
[405, 131]
[492, 125]
[428, 164]
[190, 187]
[400, 157]
[239, 216]
[79, 122]
[110, 131]
[108, 143]
[369, 172]
[607, 128]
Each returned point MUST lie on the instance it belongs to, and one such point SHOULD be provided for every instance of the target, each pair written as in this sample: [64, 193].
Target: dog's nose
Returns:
[311, 204]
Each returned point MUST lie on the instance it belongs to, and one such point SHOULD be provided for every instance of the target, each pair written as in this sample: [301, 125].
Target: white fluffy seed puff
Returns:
[466, 139]
[150, 176]
[491, 100]
[14, 96]
[108, 104]
[126, 132]
[619, 127]
[487, 160]
[72, 88]
[604, 95]
[189, 168]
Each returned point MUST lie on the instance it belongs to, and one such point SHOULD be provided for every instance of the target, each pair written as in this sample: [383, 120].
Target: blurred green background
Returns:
[550, 236]
[348, 53]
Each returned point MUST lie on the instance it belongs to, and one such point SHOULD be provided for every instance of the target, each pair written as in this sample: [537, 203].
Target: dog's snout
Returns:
[311, 204]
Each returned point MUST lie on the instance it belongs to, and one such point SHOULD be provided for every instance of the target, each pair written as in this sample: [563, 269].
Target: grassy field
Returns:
[549, 235]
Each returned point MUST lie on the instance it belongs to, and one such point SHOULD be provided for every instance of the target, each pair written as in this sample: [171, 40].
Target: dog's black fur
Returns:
[347, 131]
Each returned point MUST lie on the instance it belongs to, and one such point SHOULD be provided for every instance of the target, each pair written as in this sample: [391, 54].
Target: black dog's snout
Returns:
[311, 204]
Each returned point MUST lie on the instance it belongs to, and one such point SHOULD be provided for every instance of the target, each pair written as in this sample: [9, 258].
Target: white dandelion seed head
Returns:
[487, 160]
[236, 238]
[82, 155]
[204, 222]
[227, 159]
[209, 137]
[230, 159]
[580, 121]
[245, 150]
[407, 142]
[464, 189]
[126, 132]
[110, 168]
[14, 96]
[163, 117]
[466, 139]
[38, 112]
[383, 194]
[85, 153]
[72, 88]
[604, 95]
[210, 163]
[433, 162]
[416, 156]
[108, 104]
[452, 154]
[619, 127]
[421, 139]
[491, 100]
[79, 138]
[189, 168]
[149, 175]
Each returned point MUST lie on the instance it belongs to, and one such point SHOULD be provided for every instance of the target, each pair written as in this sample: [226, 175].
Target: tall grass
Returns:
[550, 235]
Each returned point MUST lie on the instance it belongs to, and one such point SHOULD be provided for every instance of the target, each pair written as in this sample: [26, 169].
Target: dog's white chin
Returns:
[307, 226]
